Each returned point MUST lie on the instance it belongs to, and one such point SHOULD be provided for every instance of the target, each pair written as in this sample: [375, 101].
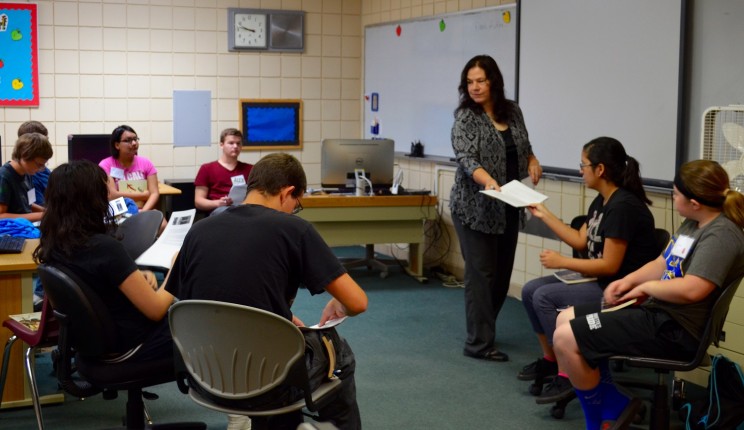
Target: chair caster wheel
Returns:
[557, 412]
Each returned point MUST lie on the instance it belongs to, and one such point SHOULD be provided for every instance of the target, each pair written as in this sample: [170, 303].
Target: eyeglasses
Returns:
[38, 164]
[298, 208]
[130, 140]
[582, 165]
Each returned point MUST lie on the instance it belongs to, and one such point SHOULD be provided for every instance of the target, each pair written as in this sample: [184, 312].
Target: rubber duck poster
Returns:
[19, 70]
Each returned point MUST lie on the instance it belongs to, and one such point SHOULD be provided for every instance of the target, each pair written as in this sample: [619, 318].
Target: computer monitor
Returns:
[93, 147]
[339, 158]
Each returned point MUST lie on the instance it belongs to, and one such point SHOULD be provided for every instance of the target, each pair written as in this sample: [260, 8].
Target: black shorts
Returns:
[633, 331]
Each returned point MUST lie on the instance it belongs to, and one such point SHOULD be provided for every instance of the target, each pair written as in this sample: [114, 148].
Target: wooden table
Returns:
[16, 297]
[166, 191]
[350, 220]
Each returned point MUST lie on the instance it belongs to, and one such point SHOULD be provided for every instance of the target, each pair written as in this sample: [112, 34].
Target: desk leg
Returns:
[416, 262]
[16, 292]
[165, 205]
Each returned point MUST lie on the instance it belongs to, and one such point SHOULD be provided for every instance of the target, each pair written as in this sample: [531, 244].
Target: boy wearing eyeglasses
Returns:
[258, 255]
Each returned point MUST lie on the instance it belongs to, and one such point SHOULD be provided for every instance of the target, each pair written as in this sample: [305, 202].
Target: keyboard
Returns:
[11, 245]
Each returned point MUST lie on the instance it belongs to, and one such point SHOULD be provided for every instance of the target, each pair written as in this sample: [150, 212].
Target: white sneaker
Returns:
[238, 422]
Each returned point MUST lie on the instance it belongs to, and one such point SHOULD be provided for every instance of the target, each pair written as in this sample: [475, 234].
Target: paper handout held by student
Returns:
[516, 194]
[160, 254]
[237, 193]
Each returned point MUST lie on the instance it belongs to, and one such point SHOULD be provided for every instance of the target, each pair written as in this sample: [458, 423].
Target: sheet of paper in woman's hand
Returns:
[516, 194]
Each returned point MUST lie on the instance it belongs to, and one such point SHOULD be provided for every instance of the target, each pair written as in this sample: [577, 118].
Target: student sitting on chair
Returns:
[41, 177]
[619, 237]
[677, 291]
[40, 180]
[214, 179]
[75, 235]
[17, 193]
[258, 254]
[130, 175]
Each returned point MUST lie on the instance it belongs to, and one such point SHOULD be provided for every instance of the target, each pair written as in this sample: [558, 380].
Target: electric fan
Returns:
[723, 141]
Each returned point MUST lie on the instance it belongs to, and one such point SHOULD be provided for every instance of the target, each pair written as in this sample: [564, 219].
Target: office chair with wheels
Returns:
[659, 419]
[88, 329]
[139, 232]
[44, 336]
[228, 368]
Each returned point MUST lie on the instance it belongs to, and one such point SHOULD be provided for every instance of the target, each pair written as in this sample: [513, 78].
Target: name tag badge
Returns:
[682, 246]
[31, 196]
[238, 180]
[117, 173]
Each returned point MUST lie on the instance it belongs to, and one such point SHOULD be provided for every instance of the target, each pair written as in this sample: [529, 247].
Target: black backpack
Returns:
[723, 409]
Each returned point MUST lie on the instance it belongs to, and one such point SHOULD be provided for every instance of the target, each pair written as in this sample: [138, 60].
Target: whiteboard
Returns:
[590, 68]
[416, 73]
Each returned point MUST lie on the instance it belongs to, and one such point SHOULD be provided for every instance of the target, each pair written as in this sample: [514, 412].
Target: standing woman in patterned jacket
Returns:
[492, 147]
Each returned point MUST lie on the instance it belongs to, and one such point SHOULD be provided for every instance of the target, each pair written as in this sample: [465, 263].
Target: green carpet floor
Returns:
[411, 373]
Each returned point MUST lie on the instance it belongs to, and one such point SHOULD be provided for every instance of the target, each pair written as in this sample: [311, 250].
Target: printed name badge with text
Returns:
[238, 180]
[117, 173]
[682, 246]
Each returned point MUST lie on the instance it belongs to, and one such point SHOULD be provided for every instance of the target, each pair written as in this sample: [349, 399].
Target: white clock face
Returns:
[250, 30]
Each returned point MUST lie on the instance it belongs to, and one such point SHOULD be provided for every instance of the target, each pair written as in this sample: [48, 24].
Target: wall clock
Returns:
[265, 30]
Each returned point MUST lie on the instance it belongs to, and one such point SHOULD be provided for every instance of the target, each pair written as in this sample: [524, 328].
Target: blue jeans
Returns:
[544, 297]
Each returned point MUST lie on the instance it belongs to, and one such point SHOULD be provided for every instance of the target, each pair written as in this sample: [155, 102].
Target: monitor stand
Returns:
[370, 261]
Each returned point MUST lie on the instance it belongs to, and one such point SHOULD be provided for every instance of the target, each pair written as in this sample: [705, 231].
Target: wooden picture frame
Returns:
[271, 124]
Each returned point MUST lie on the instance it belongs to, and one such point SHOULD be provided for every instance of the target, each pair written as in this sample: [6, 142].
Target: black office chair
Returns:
[139, 232]
[88, 332]
[228, 367]
[659, 419]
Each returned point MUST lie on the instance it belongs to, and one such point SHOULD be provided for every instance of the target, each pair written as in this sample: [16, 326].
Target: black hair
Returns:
[502, 108]
[620, 168]
[116, 138]
[76, 208]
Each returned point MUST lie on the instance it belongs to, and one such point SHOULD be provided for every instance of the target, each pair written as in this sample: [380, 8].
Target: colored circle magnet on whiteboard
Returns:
[398, 30]
[442, 25]
[506, 16]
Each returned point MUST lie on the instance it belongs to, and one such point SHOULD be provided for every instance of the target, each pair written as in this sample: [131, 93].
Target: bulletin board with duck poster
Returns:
[19, 65]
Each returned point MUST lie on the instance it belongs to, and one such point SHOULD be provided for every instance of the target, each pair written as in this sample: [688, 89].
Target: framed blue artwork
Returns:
[271, 124]
[19, 65]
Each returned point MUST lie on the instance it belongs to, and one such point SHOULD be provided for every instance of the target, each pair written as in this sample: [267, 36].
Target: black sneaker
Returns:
[559, 389]
[529, 371]
[539, 368]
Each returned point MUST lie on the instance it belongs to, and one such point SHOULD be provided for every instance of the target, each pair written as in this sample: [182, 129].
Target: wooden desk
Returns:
[166, 191]
[349, 220]
[16, 296]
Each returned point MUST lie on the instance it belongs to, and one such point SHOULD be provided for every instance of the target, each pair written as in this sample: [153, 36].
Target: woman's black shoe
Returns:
[492, 355]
